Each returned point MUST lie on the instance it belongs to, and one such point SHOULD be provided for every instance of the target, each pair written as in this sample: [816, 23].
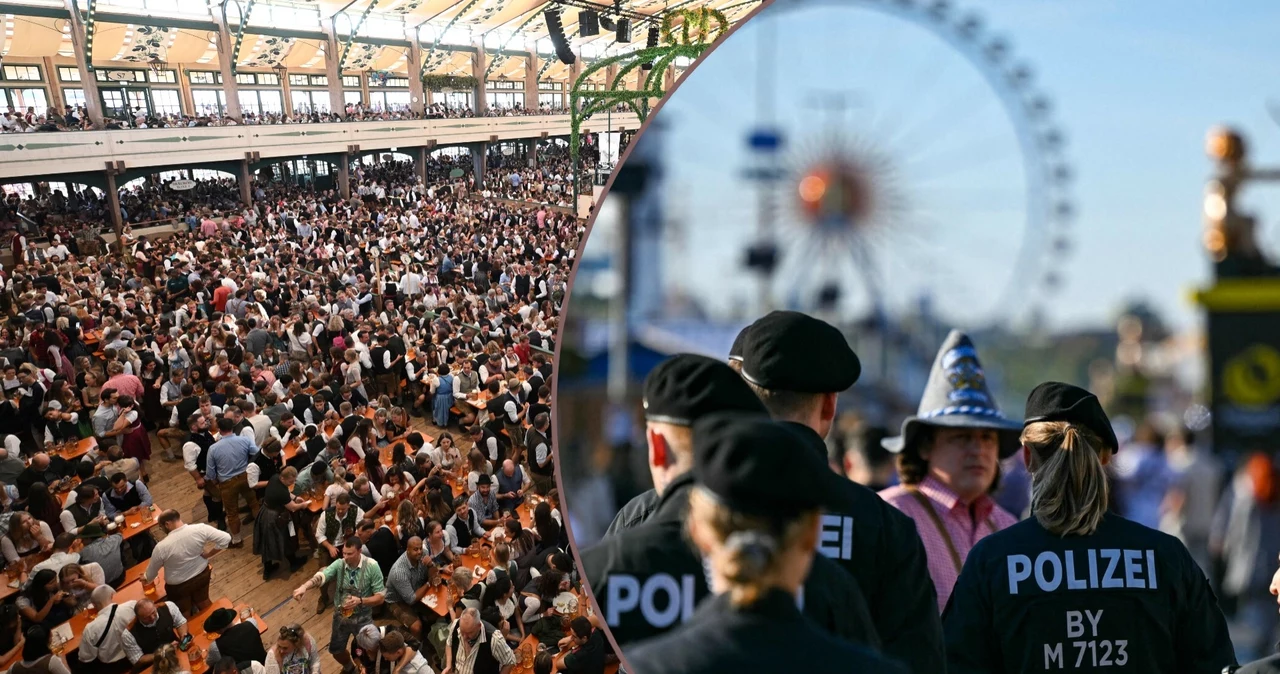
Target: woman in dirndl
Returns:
[442, 400]
[135, 442]
[275, 538]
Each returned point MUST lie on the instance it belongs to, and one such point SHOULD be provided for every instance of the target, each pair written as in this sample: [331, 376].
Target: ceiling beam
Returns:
[28, 10]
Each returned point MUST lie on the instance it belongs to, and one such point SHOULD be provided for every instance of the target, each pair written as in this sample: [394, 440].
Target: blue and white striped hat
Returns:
[957, 396]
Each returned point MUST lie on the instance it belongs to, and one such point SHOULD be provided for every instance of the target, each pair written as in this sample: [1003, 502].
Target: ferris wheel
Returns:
[899, 150]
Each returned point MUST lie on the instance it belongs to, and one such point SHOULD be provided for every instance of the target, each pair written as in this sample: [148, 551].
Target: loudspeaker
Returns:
[624, 30]
[555, 31]
[588, 23]
[607, 23]
[654, 36]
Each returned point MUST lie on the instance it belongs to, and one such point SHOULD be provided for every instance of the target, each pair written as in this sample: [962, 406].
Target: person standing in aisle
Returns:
[184, 556]
[1076, 586]
[759, 535]
[228, 467]
[949, 457]
[798, 365]
[358, 588]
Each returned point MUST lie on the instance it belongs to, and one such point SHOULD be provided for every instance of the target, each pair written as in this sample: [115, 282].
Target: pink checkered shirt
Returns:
[960, 527]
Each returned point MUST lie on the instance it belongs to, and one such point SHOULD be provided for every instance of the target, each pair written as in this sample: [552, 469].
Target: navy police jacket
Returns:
[1123, 599]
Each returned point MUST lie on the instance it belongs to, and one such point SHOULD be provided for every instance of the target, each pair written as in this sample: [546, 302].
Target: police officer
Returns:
[638, 509]
[647, 579]
[798, 365]
[759, 534]
[1076, 587]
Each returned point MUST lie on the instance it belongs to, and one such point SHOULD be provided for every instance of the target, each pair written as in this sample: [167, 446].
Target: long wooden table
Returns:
[201, 640]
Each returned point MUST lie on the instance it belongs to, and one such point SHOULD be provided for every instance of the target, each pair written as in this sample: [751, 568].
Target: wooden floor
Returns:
[237, 574]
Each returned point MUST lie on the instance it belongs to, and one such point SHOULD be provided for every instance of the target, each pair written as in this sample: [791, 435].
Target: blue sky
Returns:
[1134, 85]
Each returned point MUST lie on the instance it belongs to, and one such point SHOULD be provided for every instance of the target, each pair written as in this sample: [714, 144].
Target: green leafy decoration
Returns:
[440, 36]
[584, 103]
[442, 82]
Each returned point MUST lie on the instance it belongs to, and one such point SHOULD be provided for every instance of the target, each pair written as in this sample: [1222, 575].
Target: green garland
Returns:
[696, 25]
[244, 21]
[599, 101]
[346, 47]
[440, 36]
[442, 82]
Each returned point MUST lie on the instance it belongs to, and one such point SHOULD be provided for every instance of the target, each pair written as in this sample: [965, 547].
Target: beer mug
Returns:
[149, 588]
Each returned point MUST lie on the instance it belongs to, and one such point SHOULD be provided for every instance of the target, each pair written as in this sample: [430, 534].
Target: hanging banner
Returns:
[182, 184]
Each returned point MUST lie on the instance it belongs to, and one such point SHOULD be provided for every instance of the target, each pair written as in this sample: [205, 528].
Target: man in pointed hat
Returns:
[948, 458]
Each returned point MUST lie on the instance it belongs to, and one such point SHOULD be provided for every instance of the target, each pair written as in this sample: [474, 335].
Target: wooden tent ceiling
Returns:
[124, 43]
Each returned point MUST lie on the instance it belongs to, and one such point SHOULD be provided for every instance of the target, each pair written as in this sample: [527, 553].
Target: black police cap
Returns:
[791, 351]
[735, 351]
[757, 466]
[1055, 401]
[686, 386]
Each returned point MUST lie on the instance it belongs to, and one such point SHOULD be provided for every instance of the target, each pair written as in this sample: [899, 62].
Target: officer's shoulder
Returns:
[633, 545]
[1269, 665]
[634, 512]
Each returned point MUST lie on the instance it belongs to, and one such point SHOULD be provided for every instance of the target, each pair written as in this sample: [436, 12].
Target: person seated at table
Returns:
[401, 658]
[43, 601]
[101, 643]
[379, 542]
[79, 581]
[166, 661]
[239, 641]
[539, 597]
[407, 585]
[128, 497]
[11, 639]
[490, 445]
[464, 525]
[498, 608]
[37, 658]
[464, 591]
[85, 471]
[543, 663]
[400, 485]
[586, 646]
[103, 549]
[478, 466]
[88, 508]
[364, 495]
[27, 536]
[473, 646]
[503, 565]
[153, 626]
[521, 540]
[117, 462]
[339, 486]
[511, 486]
[485, 503]
[295, 652]
[315, 476]
[409, 524]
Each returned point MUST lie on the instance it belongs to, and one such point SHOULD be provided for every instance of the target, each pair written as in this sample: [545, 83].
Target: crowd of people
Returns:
[66, 212]
[949, 560]
[368, 375]
[76, 118]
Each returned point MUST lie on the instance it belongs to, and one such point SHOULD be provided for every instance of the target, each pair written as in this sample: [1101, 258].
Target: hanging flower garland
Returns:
[441, 82]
